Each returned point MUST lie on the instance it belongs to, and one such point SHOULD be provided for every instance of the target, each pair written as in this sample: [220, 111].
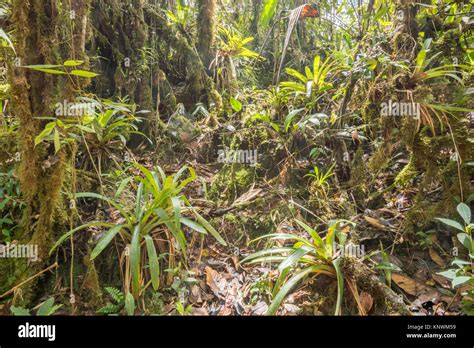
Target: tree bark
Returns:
[41, 172]
[205, 30]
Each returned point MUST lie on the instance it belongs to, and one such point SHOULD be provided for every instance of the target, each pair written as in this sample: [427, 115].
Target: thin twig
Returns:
[28, 280]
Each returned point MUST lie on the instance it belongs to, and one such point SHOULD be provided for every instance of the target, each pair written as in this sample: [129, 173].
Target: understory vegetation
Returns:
[254, 157]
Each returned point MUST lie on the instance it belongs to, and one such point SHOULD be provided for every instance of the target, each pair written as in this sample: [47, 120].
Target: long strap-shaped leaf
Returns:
[153, 262]
[135, 261]
[71, 232]
[291, 283]
[340, 286]
[105, 241]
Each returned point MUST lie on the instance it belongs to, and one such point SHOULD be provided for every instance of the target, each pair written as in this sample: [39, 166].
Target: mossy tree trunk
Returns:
[205, 30]
[41, 172]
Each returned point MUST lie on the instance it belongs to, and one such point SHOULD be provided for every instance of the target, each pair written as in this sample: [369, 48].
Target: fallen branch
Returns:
[28, 280]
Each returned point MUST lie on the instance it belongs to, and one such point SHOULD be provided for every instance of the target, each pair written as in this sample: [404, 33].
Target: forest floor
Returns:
[221, 285]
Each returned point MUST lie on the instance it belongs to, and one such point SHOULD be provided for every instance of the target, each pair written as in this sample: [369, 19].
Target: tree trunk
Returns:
[205, 30]
[41, 172]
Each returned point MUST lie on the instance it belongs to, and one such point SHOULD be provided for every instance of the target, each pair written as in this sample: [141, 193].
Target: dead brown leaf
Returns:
[367, 301]
[215, 281]
[409, 285]
[437, 258]
[195, 296]
[374, 222]
[199, 311]
[443, 281]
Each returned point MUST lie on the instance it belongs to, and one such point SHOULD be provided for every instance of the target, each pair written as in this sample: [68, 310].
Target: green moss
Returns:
[4, 90]
[232, 181]
[407, 174]
[359, 177]
[91, 290]
[379, 159]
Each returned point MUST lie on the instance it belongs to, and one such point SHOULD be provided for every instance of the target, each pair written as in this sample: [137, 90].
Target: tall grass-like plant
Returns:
[306, 257]
[159, 210]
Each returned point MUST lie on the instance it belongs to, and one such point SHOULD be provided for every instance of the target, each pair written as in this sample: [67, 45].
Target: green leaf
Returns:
[109, 201]
[47, 307]
[281, 279]
[269, 9]
[331, 237]
[452, 223]
[381, 12]
[71, 232]
[460, 280]
[266, 252]
[236, 105]
[4, 36]
[129, 304]
[289, 118]
[57, 143]
[50, 71]
[19, 311]
[318, 241]
[340, 286]
[139, 202]
[385, 265]
[267, 259]
[420, 59]
[73, 62]
[123, 184]
[105, 241]
[176, 202]
[372, 64]
[209, 227]
[41, 66]
[194, 225]
[272, 309]
[297, 74]
[116, 294]
[465, 212]
[153, 261]
[283, 236]
[450, 274]
[46, 131]
[177, 232]
[465, 240]
[294, 257]
[83, 73]
[135, 261]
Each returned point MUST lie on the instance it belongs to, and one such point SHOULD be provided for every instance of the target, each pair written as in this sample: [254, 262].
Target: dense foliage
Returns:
[197, 157]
